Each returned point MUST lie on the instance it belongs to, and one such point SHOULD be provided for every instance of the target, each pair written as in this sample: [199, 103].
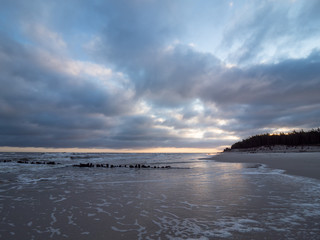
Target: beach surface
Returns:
[306, 164]
[196, 198]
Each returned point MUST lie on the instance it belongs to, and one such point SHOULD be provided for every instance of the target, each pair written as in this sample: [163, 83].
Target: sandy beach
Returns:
[197, 198]
[306, 164]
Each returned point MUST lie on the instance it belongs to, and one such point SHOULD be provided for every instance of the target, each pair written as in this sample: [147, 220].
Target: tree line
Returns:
[294, 138]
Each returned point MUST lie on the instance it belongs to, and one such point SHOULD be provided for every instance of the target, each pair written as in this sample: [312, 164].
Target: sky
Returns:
[147, 75]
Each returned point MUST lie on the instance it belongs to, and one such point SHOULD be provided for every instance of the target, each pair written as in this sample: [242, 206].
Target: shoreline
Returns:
[305, 164]
[277, 149]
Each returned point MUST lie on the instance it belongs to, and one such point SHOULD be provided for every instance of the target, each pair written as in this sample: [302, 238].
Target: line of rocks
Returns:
[100, 165]
[88, 165]
[28, 161]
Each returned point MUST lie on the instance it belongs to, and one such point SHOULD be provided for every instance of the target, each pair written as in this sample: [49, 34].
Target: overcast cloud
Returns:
[145, 74]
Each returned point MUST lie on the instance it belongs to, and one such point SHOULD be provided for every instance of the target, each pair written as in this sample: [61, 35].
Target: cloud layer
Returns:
[140, 74]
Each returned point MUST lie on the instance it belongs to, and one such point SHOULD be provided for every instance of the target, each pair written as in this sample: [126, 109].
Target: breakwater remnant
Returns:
[134, 166]
[88, 165]
[28, 161]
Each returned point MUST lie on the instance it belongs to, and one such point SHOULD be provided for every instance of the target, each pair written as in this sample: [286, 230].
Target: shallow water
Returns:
[195, 199]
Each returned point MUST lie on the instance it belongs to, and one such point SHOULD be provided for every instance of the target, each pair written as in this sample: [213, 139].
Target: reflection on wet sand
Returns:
[201, 199]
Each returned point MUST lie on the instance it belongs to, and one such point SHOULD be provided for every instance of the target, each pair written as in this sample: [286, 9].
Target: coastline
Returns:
[195, 199]
[277, 149]
[305, 164]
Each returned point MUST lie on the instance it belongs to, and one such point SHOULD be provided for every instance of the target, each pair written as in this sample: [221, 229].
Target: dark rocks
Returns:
[136, 166]
[27, 161]
[23, 160]
[5, 160]
[86, 165]
[90, 165]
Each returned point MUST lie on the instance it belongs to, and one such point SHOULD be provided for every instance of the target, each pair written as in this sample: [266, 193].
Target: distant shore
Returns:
[277, 149]
[304, 163]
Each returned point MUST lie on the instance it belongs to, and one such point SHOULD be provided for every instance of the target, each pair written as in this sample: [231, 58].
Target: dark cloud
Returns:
[134, 30]
[41, 106]
[293, 81]
[266, 95]
[271, 96]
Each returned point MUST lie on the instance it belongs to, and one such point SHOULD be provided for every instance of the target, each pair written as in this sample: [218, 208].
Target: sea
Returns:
[152, 196]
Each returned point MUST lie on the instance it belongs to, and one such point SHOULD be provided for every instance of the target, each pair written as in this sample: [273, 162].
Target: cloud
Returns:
[257, 97]
[122, 74]
[271, 31]
[133, 30]
[45, 38]
[43, 104]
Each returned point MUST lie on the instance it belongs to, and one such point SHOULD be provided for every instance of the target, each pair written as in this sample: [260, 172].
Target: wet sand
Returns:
[195, 199]
[306, 164]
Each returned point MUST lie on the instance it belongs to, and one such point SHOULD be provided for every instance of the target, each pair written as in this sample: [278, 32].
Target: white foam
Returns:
[19, 199]
[55, 199]
[218, 234]
[25, 179]
[54, 231]
[120, 230]
[54, 219]
[104, 203]
[120, 218]
[190, 204]
[164, 197]
[70, 220]
[61, 199]
[239, 225]
[277, 229]
[262, 169]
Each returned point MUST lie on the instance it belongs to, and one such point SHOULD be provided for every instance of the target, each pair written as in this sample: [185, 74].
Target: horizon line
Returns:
[110, 150]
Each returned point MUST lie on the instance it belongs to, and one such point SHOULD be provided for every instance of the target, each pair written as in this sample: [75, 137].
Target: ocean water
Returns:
[196, 198]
